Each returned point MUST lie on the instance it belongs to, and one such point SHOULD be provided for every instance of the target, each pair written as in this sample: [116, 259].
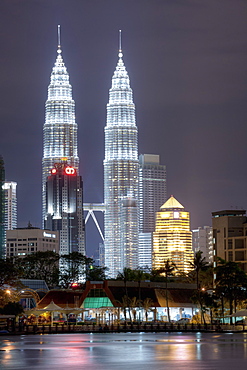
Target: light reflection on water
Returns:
[125, 351]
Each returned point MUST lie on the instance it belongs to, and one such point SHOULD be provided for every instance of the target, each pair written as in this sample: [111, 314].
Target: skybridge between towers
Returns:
[90, 208]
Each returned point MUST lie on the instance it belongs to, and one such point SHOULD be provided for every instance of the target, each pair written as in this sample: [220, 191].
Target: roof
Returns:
[62, 298]
[231, 212]
[171, 203]
[179, 294]
[176, 297]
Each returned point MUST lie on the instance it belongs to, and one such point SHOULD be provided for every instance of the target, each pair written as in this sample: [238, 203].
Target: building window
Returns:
[230, 244]
[239, 256]
[230, 256]
[239, 243]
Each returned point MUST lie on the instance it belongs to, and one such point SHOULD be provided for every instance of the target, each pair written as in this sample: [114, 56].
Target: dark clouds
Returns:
[187, 63]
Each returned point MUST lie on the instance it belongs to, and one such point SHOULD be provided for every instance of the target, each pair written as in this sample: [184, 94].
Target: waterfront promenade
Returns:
[56, 328]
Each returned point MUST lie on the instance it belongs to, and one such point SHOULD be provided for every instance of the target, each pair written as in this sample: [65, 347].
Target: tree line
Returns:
[227, 290]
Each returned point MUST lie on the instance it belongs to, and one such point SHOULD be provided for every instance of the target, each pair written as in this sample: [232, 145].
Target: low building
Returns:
[24, 241]
[106, 298]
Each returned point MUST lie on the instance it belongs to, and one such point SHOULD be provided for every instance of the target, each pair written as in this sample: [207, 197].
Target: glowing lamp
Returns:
[53, 171]
[75, 286]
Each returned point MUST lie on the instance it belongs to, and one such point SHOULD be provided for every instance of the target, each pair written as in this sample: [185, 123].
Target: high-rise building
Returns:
[60, 128]
[9, 188]
[64, 207]
[121, 175]
[172, 237]
[230, 236]
[152, 190]
[2, 209]
[202, 240]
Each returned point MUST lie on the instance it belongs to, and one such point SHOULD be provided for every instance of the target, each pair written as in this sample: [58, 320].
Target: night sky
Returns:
[187, 62]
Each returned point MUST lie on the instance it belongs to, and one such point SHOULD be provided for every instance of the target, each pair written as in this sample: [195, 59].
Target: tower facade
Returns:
[152, 190]
[64, 207]
[60, 128]
[172, 238]
[202, 240]
[121, 175]
[2, 209]
[9, 188]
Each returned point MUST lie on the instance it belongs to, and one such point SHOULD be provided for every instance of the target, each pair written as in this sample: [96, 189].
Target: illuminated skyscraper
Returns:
[152, 190]
[60, 128]
[9, 188]
[2, 209]
[121, 175]
[64, 207]
[172, 239]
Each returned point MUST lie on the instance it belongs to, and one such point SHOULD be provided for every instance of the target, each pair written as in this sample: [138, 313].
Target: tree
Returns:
[41, 266]
[126, 275]
[198, 264]
[10, 273]
[133, 303]
[74, 268]
[168, 270]
[8, 295]
[147, 304]
[124, 303]
[138, 276]
[96, 273]
[156, 275]
[12, 308]
[231, 283]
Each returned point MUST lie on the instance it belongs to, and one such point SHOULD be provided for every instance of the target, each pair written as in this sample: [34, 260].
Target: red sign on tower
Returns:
[70, 171]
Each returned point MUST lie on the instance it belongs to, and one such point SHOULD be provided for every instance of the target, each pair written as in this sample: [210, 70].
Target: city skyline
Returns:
[187, 67]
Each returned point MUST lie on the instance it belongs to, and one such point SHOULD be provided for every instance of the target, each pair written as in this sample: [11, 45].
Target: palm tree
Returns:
[230, 281]
[199, 264]
[167, 270]
[147, 304]
[124, 304]
[133, 303]
[126, 275]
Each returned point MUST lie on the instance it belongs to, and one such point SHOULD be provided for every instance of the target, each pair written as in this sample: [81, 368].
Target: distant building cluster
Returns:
[142, 228]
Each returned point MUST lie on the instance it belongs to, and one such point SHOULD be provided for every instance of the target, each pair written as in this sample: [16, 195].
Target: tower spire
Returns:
[120, 54]
[59, 38]
[120, 40]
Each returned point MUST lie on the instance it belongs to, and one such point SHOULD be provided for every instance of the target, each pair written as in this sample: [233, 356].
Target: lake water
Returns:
[190, 351]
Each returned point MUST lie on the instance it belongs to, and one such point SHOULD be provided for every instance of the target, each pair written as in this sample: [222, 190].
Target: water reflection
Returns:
[125, 351]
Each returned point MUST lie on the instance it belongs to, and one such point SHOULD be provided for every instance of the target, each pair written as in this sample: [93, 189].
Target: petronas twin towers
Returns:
[120, 164]
[121, 168]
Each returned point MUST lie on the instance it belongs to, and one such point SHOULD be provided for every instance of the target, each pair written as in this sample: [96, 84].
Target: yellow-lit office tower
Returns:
[172, 239]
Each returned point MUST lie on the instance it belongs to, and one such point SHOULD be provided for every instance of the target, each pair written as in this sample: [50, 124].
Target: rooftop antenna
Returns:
[59, 38]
